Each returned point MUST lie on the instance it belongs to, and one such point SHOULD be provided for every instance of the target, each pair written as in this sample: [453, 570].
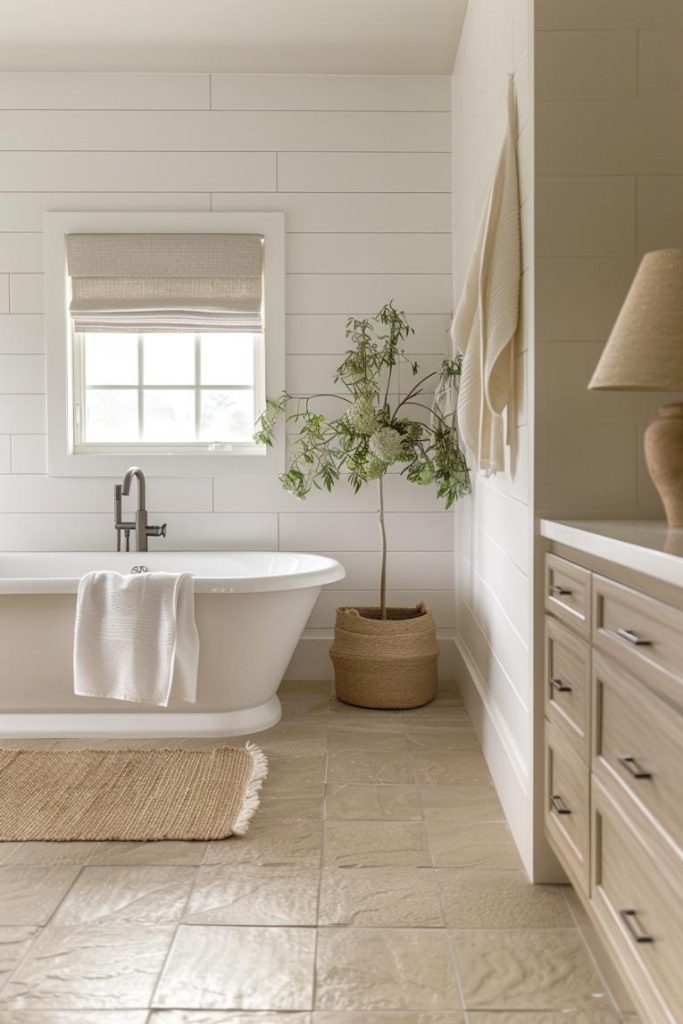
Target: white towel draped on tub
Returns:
[136, 637]
[486, 318]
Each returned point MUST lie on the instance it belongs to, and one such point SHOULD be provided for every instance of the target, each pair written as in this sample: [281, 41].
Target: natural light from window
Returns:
[166, 389]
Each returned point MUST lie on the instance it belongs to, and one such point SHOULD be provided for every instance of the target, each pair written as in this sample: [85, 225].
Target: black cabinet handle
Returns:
[630, 919]
[559, 804]
[561, 687]
[633, 638]
[633, 768]
[560, 591]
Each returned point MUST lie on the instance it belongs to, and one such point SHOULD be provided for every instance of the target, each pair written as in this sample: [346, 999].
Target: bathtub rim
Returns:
[329, 571]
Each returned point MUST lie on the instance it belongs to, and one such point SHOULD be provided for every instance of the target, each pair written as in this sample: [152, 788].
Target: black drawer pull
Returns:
[561, 687]
[630, 919]
[633, 638]
[633, 768]
[560, 591]
[559, 805]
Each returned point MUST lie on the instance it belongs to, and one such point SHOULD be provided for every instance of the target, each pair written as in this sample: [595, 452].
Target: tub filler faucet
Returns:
[139, 524]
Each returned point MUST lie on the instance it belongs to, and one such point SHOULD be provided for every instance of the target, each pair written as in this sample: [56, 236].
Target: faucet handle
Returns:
[157, 531]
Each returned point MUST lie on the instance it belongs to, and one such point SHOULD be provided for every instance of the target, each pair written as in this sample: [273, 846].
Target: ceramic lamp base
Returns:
[664, 458]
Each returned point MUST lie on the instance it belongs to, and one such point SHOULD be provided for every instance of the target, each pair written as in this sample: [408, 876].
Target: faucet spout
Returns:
[135, 473]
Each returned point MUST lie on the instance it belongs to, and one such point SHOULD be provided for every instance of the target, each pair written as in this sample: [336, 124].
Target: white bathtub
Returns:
[250, 607]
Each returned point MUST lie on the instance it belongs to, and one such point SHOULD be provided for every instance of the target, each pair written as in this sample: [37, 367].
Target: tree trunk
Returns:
[383, 538]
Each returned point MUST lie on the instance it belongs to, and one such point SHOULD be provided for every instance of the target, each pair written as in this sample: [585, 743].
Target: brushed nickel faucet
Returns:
[139, 524]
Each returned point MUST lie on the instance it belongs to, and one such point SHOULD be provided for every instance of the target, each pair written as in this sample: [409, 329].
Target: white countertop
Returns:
[646, 546]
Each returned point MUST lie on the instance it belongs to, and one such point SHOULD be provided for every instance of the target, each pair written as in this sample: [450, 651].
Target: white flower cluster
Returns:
[387, 444]
[362, 416]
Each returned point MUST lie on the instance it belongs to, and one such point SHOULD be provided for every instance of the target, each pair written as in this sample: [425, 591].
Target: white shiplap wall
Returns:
[494, 527]
[361, 167]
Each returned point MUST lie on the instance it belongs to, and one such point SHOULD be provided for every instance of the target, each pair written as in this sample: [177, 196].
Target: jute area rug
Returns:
[137, 794]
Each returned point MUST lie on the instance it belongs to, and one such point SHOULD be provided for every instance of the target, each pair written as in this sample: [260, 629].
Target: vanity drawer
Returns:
[568, 592]
[567, 682]
[638, 897]
[644, 634]
[567, 803]
[639, 739]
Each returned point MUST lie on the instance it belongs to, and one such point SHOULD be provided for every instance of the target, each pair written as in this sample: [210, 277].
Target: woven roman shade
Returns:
[141, 283]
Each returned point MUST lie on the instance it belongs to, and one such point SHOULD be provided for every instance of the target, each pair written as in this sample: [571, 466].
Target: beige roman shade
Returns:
[166, 282]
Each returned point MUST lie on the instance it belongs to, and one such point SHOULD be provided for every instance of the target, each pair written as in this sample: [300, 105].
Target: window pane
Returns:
[111, 359]
[111, 416]
[169, 359]
[228, 359]
[227, 416]
[169, 416]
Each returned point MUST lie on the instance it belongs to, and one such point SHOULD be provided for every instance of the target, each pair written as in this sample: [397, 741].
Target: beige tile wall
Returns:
[609, 187]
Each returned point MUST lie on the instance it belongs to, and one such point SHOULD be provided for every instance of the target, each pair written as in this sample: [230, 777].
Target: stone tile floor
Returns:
[378, 884]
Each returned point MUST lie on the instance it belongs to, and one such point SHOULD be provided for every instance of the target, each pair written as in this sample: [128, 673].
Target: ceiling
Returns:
[307, 36]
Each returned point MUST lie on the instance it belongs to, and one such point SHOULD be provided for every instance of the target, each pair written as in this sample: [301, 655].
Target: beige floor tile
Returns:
[376, 897]
[51, 853]
[293, 690]
[466, 803]
[373, 802]
[14, 943]
[297, 739]
[224, 1017]
[108, 967]
[253, 896]
[306, 770]
[487, 845]
[441, 767]
[161, 853]
[377, 968]
[37, 1016]
[143, 895]
[276, 842]
[456, 736]
[287, 801]
[499, 899]
[603, 1016]
[372, 844]
[347, 734]
[239, 968]
[392, 1017]
[29, 895]
[526, 970]
[363, 765]
[7, 850]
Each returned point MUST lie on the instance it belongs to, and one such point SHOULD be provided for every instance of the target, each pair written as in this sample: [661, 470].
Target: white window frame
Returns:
[157, 459]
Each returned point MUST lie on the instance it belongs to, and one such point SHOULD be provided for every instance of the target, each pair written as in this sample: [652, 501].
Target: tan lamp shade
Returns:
[644, 352]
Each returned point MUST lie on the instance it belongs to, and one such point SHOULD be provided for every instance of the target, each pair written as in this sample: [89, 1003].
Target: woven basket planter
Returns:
[385, 663]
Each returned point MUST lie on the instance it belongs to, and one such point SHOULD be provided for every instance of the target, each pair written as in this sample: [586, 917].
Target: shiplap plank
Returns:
[103, 91]
[322, 333]
[364, 172]
[21, 252]
[347, 293]
[369, 253]
[22, 414]
[22, 374]
[24, 211]
[81, 494]
[135, 172]
[406, 531]
[330, 92]
[20, 334]
[347, 212]
[223, 130]
[26, 293]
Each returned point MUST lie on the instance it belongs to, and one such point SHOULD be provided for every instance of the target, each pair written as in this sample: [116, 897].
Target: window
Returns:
[165, 333]
[174, 390]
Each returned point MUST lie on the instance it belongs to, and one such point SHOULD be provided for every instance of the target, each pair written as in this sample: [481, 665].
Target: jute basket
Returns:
[385, 663]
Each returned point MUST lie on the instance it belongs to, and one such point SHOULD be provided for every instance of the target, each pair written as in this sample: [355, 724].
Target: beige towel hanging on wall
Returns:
[486, 318]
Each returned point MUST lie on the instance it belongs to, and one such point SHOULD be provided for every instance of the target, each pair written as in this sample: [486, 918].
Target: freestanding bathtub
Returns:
[250, 608]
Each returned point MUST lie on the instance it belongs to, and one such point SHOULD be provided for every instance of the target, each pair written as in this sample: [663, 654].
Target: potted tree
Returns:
[383, 657]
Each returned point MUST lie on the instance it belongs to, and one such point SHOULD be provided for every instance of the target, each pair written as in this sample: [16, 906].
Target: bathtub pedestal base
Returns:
[139, 725]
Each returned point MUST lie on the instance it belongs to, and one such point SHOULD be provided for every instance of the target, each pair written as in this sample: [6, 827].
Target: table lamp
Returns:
[644, 352]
